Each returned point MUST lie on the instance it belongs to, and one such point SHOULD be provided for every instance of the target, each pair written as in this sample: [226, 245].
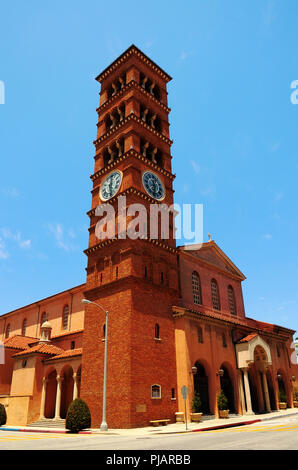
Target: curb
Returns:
[210, 428]
[243, 423]
[228, 425]
[58, 431]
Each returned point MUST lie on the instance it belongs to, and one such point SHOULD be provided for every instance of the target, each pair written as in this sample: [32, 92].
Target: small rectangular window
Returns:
[155, 391]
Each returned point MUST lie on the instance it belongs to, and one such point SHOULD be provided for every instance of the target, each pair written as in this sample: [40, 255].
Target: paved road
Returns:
[279, 434]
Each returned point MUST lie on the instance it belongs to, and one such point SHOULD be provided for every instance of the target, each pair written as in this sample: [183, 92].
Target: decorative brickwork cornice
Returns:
[219, 319]
[109, 242]
[127, 192]
[132, 117]
[135, 154]
[196, 314]
[133, 50]
[131, 84]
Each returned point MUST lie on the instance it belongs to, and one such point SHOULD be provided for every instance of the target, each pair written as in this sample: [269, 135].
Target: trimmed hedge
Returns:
[3, 416]
[78, 416]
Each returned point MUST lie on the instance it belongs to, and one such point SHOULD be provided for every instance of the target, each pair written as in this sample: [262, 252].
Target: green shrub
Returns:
[2, 414]
[282, 397]
[196, 403]
[222, 401]
[78, 416]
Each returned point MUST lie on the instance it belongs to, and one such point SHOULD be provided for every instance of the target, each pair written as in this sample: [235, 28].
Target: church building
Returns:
[176, 314]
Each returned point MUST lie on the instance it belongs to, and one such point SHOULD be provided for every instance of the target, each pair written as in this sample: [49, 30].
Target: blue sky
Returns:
[232, 121]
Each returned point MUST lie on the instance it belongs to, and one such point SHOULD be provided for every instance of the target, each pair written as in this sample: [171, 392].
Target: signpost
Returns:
[184, 391]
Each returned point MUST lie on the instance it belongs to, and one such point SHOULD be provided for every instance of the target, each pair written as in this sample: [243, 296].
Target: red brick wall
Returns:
[189, 264]
[119, 369]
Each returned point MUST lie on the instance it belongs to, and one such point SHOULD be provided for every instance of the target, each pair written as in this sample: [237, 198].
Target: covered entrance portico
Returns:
[256, 384]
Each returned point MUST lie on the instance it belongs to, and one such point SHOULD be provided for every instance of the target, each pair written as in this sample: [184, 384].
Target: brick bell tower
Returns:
[136, 280]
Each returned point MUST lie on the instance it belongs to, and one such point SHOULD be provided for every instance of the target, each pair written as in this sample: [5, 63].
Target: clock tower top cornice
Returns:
[133, 51]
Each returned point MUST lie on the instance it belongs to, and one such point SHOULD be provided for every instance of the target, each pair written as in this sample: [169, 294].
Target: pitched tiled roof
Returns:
[248, 338]
[67, 333]
[61, 335]
[210, 314]
[18, 342]
[41, 349]
[67, 354]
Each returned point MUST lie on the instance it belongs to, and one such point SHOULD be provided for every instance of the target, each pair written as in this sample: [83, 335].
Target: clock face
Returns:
[153, 186]
[110, 186]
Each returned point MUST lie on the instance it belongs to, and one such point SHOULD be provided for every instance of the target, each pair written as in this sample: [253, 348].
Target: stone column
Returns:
[58, 397]
[75, 386]
[247, 392]
[43, 398]
[241, 391]
[266, 392]
[260, 390]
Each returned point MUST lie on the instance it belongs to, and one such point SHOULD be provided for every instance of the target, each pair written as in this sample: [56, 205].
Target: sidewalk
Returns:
[174, 428]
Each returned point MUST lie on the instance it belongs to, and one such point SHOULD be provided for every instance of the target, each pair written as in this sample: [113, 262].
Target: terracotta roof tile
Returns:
[67, 333]
[67, 354]
[61, 335]
[217, 316]
[41, 349]
[248, 338]
[18, 342]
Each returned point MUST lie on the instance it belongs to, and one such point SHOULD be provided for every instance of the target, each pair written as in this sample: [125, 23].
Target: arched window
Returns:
[43, 318]
[24, 326]
[65, 317]
[232, 301]
[200, 335]
[155, 391]
[196, 288]
[156, 331]
[215, 295]
[7, 331]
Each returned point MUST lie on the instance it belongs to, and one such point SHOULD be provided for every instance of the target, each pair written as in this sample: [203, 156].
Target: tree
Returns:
[3, 416]
[196, 403]
[78, 416]
[222, 401]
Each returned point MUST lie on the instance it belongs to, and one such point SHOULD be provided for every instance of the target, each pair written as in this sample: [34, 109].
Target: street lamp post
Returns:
[104, 425]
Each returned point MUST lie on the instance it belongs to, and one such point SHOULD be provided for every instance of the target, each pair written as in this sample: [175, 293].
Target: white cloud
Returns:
[3, 253]
[16, 237]
[59, 234]
[267, 236]
[195, 166]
